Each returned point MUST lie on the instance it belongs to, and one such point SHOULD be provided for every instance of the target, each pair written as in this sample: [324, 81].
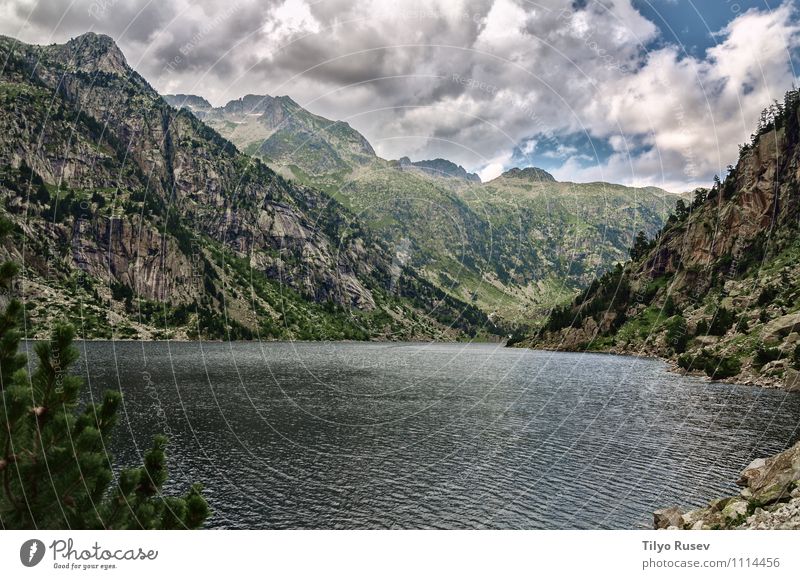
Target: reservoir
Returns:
[417, 435]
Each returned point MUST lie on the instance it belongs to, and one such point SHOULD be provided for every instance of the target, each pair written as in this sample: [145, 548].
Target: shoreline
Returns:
[500, 343]
[753, 380]
[769, 500]
[770, 495]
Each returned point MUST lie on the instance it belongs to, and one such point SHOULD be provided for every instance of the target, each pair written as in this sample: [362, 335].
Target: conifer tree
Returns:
[55, 468]
[640, 246]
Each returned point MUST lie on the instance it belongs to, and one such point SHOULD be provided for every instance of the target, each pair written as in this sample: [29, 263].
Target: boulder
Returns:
[792, 383]
[669, 517]
[750, 471]
[772, 479]
[696, 518]
[704, 341]
[734, 511]
[774, 368]
[777, 329]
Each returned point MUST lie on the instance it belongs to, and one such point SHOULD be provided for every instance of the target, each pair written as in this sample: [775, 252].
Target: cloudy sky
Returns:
[640, 92]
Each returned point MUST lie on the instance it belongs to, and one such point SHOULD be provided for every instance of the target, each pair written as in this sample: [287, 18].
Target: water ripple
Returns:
[308, 435]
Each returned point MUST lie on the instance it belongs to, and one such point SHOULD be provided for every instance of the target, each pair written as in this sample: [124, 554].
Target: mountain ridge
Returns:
[519, 257]
[134, 218]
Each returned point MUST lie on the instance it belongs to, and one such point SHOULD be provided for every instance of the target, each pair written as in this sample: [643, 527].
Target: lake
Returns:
[412, 435]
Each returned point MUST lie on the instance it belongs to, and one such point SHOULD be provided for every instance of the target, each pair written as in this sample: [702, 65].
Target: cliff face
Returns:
[718, 290]
[121, 201]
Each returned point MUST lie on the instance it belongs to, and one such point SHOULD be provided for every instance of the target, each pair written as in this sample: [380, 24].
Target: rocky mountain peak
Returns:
[249, 104]
[187, 101]
[92, 52]
[287, 101]
[443, 168]
[529, 174]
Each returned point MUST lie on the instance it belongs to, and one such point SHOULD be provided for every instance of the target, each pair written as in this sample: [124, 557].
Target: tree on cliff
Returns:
[640, 246]
[54, 463]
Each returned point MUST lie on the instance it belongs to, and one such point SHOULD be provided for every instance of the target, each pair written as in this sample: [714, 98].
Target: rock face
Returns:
[121, 201]
[718, 290]
[770, 499]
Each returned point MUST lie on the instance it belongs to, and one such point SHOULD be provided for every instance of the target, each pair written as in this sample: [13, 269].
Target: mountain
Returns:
[528, 174]
[283, 134]
[443, 168]
[718, 289]
[512, 247]
[198, 105]
[134, 219]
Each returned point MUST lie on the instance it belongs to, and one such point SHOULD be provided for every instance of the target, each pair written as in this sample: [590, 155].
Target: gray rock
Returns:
[770, 480]
[779, 328]
[669, 517]
[792, 383]
[734, 510]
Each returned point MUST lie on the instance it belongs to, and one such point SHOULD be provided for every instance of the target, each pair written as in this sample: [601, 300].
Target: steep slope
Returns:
[133, 218]
[282, 133]
[718, 291]
[512, 247]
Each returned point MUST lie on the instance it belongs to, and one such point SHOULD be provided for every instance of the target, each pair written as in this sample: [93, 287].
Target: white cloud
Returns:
[695, 112]
[289, 20]
[491, 171]
[467, 80]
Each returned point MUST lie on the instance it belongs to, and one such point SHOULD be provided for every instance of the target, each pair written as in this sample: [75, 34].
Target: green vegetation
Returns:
[717, 293]
[677, 334]
[55, 465]
[764, 355]
[513, 248]
[715, 366]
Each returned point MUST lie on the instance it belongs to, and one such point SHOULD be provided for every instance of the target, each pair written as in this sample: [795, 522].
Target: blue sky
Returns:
[693, 24]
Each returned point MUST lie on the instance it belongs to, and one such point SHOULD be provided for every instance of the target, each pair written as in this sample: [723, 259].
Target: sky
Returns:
[640, 92]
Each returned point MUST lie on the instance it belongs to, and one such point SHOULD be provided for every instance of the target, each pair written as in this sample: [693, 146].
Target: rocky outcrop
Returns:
[776, 330]
[770, 499]
[196, 104]
[792, 380]
[528, 174]
[447, 169]
[671, 517]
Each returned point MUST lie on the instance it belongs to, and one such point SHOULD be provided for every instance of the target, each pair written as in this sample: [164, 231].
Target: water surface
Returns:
[354, 435]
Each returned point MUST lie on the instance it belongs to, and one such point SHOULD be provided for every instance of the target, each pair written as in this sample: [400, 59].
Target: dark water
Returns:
[310, 435]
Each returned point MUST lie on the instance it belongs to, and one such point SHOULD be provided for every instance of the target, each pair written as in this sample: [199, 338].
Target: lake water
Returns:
[354, 435]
